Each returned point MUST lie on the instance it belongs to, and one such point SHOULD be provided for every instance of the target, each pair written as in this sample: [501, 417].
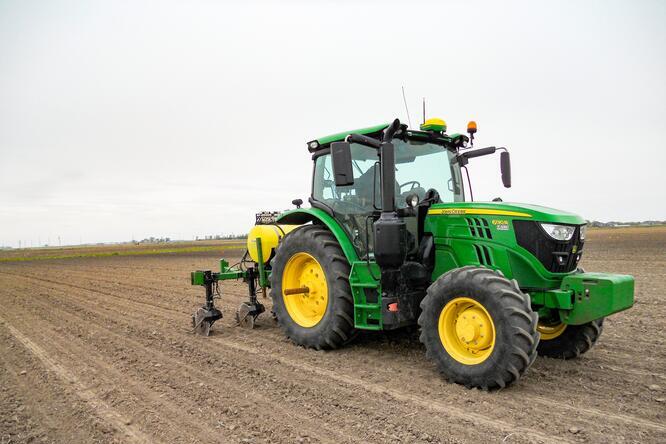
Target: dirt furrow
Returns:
[120, 326]
[37, 405]
[460, 416]
[89, 395]
[88, 362]
[176, 376]
[620, 346]
[548, 402]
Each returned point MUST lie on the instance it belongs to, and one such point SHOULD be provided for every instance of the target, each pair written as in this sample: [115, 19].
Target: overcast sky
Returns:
[140, 118]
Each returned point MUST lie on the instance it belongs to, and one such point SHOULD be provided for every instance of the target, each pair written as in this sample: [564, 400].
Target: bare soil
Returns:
[99, 349]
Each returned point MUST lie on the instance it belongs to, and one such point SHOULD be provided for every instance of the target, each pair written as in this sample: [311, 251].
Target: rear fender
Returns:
[301, 216]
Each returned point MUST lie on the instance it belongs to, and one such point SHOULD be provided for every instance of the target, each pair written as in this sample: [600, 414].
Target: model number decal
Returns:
[501, 224]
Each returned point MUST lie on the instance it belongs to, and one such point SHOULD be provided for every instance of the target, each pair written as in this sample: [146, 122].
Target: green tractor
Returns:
[391, 239]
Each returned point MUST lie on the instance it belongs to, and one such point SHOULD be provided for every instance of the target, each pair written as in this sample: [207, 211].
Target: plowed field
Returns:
[99, 349]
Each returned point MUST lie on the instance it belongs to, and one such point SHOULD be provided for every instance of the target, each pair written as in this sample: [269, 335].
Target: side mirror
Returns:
[505, 166]
[343, 171]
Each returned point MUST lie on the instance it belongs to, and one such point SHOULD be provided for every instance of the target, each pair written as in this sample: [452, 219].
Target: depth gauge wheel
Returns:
[312, 299]
[478, 328]
[564, 341]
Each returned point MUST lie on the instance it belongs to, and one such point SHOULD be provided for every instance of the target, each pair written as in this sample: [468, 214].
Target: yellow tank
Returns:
[270, 235]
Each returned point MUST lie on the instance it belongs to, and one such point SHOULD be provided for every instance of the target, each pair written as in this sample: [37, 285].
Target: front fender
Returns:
[302, 216]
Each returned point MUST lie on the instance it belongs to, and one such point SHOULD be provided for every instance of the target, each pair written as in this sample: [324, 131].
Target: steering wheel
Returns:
[413, 183]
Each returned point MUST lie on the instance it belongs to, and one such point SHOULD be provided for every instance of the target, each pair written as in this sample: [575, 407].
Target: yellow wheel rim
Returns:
[306, 308]
[551, 331]
[467, 331]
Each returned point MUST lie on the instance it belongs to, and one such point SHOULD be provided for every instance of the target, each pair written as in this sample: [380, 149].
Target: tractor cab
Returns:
[427, 169]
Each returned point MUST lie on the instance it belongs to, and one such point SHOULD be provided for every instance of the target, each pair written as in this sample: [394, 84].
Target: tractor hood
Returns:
[508, 209]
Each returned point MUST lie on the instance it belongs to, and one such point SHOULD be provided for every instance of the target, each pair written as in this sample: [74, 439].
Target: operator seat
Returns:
[366, 183]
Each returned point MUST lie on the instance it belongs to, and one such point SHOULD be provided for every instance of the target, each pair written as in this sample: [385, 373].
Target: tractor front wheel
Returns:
[312, 299]
[564, 341]
[478, 328]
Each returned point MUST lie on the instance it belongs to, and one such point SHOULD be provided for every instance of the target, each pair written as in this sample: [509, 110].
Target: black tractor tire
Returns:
[515, 339]
[336, 328]
[573, 342]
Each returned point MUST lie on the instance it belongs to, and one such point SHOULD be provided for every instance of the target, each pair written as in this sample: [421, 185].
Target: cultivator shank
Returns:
[204, 318]
[247, 312]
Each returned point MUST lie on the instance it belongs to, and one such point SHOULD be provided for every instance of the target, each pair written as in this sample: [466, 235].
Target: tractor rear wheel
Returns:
[564, 341]
[312, 299]
[478, 328]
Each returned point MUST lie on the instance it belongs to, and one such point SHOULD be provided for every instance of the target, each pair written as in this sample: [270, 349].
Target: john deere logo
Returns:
[574, 249]
[488, 211]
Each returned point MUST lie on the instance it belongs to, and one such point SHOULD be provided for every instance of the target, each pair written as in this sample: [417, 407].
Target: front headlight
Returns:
[559, 232]
[583, 229]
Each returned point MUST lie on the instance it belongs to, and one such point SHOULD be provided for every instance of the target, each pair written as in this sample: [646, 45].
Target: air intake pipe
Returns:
[390, 230]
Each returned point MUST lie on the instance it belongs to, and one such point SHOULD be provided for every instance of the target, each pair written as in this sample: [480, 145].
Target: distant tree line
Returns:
[155, 240]
[611, 224]
[222, 237]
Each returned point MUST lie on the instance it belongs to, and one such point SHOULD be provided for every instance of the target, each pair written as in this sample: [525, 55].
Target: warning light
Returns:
[393, 307]
[471, 129]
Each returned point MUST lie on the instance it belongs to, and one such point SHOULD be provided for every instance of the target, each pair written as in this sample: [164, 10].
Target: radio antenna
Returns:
[404, 99]
[424, 110]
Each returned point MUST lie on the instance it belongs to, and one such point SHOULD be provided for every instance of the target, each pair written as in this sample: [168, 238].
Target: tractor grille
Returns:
[483, 254]
[479, 227]
[556, 256]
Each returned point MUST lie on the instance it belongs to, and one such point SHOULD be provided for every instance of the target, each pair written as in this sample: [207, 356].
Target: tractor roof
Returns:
[453, 140]
[319, 143]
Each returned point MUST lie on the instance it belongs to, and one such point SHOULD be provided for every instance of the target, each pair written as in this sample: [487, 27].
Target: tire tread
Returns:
[517, 318]
[338, 326]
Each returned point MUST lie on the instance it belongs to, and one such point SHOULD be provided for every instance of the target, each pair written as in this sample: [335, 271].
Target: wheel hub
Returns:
[466, 331]
[550, 331]
[308, 307]
[472, 328]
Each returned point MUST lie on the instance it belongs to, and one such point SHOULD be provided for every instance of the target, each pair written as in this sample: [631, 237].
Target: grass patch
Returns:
[146, 252]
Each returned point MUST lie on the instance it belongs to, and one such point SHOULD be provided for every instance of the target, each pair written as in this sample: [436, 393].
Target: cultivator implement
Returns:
[253, 269]
[247, 313]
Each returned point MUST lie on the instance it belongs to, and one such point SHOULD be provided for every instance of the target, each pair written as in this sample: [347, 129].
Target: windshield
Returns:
[420, 166]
